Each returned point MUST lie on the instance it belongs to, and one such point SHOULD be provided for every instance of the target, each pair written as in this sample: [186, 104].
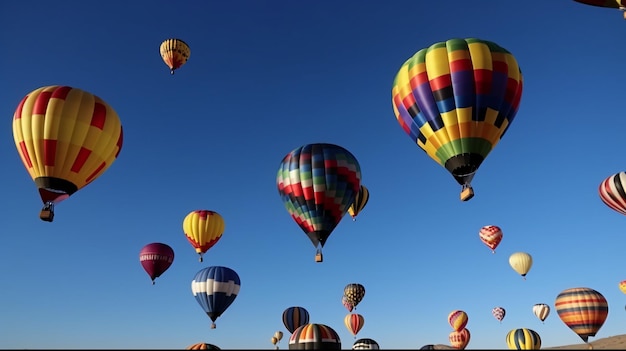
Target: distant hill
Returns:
[617, 342]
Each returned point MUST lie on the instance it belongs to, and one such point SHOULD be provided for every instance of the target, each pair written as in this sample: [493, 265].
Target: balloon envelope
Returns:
[498, 313]
[612, 192]
[317, 184]
[175, 53]
[295, 317]
[361, 199]
[365, 344]
[155, 259]
[490, 235]
[457, 320]
[354, 322]
[66, 138]
[521, 262]
[459, 339]
[202, 346]
[523, 339]
[354, 293]
[215, 289]
[583, 310]
[456, 99]
[203, 229]
[541, 310]
[314, 337]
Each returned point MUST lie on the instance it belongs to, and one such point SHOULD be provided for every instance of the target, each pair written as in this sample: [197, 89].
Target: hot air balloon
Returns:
[498, 313]
[359, 202]
[274, 341]
[523, 339]
[276, 338]
[457, 320]
[174, 53]
[583, 310]
[622, 286]
[318, 183]
[428, 347]
[314, 337]
[354, 293]
[66, 138]
[295, 317]
[202, 346]
[155, 259]
[354, 322]
[215, 288]
[541, 310]
[615, 4]
[455, 100]
[521, 262]
[365, 344]
[459, 339]
[612, 192]
[491, 236]
[203, 229]
[346, 303]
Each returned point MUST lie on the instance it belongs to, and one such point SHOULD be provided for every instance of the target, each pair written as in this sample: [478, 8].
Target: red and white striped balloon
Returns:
[491, 235]
[613, 192]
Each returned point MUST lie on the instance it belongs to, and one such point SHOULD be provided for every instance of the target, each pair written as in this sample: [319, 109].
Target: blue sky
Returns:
[263, 78]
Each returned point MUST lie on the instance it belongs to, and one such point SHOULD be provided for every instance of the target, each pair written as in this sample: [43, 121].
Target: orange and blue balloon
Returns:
[583, 310]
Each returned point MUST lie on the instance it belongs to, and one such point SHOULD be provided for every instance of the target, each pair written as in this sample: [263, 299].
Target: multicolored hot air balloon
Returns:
[66, 138]
[346, 303]
[612, 192]
[354, 322]
[583, 310]
[317, 184]
[314, 337]
[354, 293]
[295, 317]
[523, 339]
[455, 100]
[202, 346]
[359, 202]
[458, 320]
[203, 229]
[215, 288]
[365, 344]
[615, 4]
[541, 310]
[622, 286]
[174, 53]
[490, 235]
[156, 258]
[498, 313]
[521, 262]
[459, 338]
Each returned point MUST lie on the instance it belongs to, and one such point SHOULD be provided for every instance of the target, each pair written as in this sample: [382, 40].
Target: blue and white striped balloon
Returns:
[215, 288]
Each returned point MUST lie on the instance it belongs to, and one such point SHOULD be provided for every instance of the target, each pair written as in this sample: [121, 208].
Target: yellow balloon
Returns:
[174, 53]
[278, 335]
[523, 339]
[360, 200]
[203, 228]
[274, 340]
[521, 262]
[66, 138]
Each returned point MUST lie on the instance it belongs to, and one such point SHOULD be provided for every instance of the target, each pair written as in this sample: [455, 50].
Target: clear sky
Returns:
[263, 78]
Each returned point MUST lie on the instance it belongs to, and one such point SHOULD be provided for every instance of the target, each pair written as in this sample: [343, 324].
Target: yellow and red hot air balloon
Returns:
[203, 229]
[174, 53]
[521, 262]
[354, 322]
[458, 320]
[359, 202]
[459, 338]
[66, 138]
[490, 235]
[622, 286]
[583, 310]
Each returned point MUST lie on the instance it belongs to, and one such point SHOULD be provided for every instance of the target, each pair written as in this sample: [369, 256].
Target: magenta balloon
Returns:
[155, 259]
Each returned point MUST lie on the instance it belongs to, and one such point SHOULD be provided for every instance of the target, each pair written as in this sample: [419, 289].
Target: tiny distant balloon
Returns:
[622, 286]
[458, 320]
[359, 202]
[541, 310]
[490, 235]
[498, 313]
[175, 53]
[346, 303]
[521, 262]
[156, 258]
[459, 339]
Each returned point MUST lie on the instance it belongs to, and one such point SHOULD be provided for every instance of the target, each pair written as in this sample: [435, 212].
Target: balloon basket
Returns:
[467, 194]
[319, 257]
[46, 215]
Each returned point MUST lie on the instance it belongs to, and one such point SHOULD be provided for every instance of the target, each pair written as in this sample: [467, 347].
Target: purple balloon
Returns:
[155, 259]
